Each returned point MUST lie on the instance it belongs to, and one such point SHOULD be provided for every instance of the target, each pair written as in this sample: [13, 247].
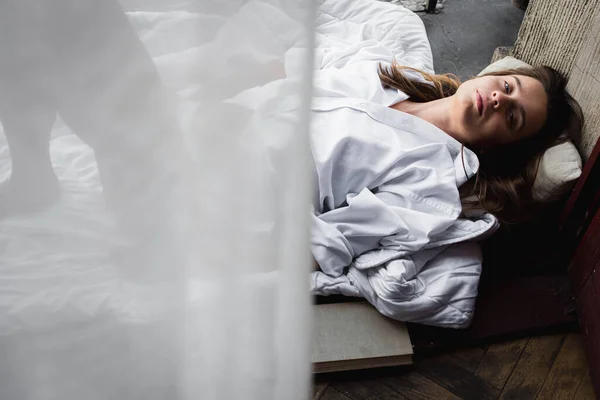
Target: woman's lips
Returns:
[479, 104]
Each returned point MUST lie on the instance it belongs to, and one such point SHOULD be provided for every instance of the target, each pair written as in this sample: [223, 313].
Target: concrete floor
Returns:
[464, 33]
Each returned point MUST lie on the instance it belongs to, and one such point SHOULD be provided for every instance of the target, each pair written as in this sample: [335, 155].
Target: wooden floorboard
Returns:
[456, 379]
[586, 389]
[332, 394]
[532, 368]
[415, 386]
[318, 389]
[468, 358]
[546, 367]
[567, 372]
[499, 362]
[367, 390]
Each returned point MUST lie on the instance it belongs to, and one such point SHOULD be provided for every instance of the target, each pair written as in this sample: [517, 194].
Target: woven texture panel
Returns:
[565, 35]
[552, 32]
[584, 85]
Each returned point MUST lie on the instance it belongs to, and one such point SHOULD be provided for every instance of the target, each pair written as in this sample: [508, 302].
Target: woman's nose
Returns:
[498, 99]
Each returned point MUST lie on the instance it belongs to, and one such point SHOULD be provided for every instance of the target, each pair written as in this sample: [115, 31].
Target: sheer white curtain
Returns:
[155, 177]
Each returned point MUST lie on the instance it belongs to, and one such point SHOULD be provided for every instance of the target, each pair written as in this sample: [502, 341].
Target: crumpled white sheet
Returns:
[56, 266]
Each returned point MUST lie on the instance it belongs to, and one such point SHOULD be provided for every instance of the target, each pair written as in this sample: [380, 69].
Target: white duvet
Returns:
[56, 268]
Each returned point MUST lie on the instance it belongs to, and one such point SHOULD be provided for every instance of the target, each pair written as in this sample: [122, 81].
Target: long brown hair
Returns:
[503, 184]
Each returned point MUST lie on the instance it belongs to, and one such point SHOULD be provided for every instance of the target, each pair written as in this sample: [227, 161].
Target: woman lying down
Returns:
[412, 168]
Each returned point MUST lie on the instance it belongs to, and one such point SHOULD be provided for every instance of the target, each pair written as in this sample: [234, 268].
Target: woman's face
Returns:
[498, 110]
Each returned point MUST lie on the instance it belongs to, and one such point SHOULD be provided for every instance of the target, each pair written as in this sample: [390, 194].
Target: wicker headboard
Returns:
[565, 35]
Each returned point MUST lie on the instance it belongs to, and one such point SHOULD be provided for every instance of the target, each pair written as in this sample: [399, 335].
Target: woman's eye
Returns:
[506, 87]
[511, 117]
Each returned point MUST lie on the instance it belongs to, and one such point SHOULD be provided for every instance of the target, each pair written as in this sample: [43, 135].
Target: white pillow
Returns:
[560, 165]
[505, 63]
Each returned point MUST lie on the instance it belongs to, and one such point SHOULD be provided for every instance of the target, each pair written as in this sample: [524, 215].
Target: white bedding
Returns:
[78, 318]
[55, 266]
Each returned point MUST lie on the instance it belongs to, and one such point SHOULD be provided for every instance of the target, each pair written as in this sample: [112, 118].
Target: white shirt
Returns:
[384, 179]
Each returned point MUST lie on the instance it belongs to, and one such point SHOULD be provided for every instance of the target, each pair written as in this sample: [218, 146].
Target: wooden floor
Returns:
[546, 367]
